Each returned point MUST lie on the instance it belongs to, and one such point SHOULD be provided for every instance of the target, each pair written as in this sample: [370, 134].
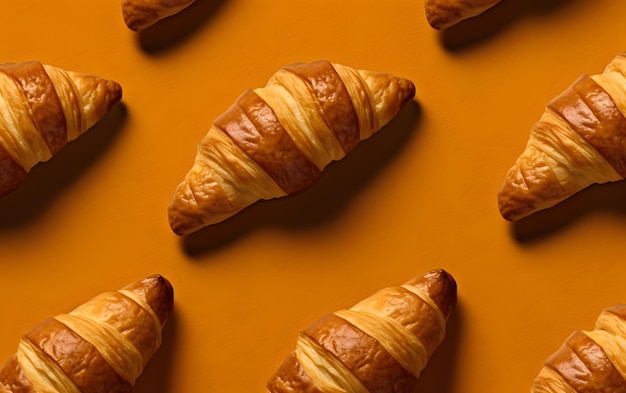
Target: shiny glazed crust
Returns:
[141, 14]
[43, 108]
[589, 361]
[579, 140]
[442, 14]
[276, 140]
[102, 345]
[379, 345]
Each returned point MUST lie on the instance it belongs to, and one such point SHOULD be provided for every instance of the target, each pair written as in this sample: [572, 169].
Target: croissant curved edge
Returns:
[442, 14]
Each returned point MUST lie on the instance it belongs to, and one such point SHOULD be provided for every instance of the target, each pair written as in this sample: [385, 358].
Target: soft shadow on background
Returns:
[340, 182]
[609, 197]
[502, 15]
[47, 180]
[170, 32]
[156, 377]
[439, 375]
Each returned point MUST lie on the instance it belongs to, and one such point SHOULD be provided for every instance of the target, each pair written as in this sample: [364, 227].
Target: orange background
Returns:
[420, 194]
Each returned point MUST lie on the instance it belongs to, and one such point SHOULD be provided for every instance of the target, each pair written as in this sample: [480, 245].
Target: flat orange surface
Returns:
[420, 194]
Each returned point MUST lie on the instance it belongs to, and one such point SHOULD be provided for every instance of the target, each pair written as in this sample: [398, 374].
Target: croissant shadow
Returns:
[157, 376]
[47, 180]
[172, 30]
[491, 22]
[609, 197]
[340, 182]
[438, 376]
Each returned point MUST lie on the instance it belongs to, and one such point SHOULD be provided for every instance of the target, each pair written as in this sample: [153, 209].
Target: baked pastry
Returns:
[42, 108]
[442, 14]
[101, 346]
[579, 140]
[276, 140]
[380, 345]
[589, 361]
[141, 14]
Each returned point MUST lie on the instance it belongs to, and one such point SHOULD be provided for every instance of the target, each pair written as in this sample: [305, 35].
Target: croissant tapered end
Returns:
[276, 140]
[102, 345]
[589, 361]
[141, 14]
[579, 140]
[442, 14]
[380, 344]
[98, 96]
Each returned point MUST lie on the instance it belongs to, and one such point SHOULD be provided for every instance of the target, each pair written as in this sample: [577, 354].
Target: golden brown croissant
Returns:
[380, 345]
[276, 140]
[579, 140]
[101, 346]
[42, 108]
[442, 14]
[589, 361]
[141, 14]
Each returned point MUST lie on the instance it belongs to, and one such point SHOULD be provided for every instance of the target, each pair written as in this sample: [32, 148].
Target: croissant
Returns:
[141, 14]
[579, 140]
[442, 14]
[381, 344]
[101, 346]
[276, 140]
[43, 107]
[589, 361]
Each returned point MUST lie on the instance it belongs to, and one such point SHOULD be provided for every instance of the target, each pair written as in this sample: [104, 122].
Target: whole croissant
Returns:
[101, 346]
[276, 140]
[41, 109]
[579, 140]
[442, 14]
[589, 361]
[141, 14]
[380, 345]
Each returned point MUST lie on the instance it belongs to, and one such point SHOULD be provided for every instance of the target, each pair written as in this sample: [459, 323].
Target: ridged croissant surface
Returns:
[442, 14]
[589, 361]
[276, 140]
[382, 344]
[141, 14]
[579, 140]
[41, 109]
[101, 346]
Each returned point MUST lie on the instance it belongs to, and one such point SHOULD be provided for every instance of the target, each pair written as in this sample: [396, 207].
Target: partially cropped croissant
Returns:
[579, 140]
[382, 344]
[101, 346]
[141, 14]
[442, 14]
[589, 361]
[42, 108]
[276, 140]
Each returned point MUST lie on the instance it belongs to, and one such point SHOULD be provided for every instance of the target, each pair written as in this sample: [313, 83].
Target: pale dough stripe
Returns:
[288, 111]
[550, 381]
[116, 349]
[597, 169]
[612, 323]
[148, 309]
[426, 298]
[361, 98]
[312, 134]
[613, 346]
[42, 372]
[71, 101]
[397, 340]
[243, 178]
[327, 372]
[22, 140]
